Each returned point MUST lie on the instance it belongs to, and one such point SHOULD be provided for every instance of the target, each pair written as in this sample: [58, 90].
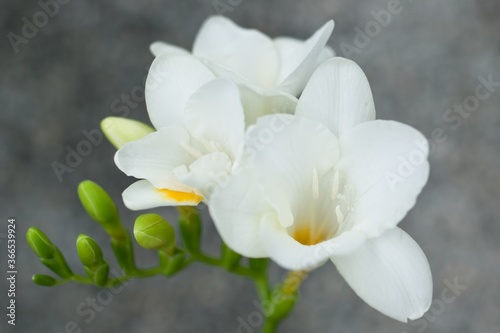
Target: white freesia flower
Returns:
[200, 128]
[247, 56]
[174, 77]
[323, 188]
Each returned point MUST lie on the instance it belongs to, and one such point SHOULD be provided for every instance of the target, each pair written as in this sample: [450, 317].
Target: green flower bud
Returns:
[39, 243]
[44, 280]
[100, 206]
[190, 226]
[89, 252]
[230, 259]
[151, 231]
[120, 131]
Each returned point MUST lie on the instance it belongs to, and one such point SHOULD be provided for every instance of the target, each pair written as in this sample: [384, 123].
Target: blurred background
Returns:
[425, 63]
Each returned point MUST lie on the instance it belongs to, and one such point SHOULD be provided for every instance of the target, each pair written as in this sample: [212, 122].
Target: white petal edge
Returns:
[159, 48]
[143, 195]
[337, 95]
[247, 52]
[386, 163]
[391, 274]
[171, 81]
[155, 156]
[297, 67]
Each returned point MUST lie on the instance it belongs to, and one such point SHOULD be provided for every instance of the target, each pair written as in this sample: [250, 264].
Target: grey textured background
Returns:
[64, 80]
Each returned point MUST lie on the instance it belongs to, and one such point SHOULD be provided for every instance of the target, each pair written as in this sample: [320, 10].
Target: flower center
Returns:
[305, 235]
[322, 213]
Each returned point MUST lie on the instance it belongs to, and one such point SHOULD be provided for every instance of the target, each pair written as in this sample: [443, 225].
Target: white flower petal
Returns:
[386, 162]
[207, 175]
[286, 150]
[257, 103]
[155, 156]
[171, 80]
[237, 211]
[158, 48]
[292, 255]
[143, 195]
[391, 274]
[288, 48]
[296, 67]
[248, 52]
[214, 113]
[337, 95]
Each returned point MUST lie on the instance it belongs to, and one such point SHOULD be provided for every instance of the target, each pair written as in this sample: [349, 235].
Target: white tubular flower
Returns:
[267, 67]
[332, 183]
[200, 123]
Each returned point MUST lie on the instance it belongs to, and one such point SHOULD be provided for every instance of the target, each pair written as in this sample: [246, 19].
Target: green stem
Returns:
[262, 286]
[217, 262]
[270, 326]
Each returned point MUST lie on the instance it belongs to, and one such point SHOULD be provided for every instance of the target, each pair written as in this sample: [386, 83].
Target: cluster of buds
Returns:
[151, 232]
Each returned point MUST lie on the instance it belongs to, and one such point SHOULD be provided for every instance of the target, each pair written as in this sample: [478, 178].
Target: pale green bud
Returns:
[100, 207]
[44, 280]
[151, 231]
[39, 243]
[120, 131]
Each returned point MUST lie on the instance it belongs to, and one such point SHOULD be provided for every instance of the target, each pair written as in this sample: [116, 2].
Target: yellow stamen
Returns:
[180, 196]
